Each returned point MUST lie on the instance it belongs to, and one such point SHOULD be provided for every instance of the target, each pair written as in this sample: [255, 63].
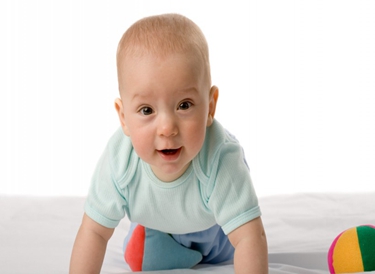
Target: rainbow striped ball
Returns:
[353, 250]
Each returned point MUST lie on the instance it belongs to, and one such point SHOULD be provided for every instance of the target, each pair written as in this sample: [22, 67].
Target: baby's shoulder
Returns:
[219, 146]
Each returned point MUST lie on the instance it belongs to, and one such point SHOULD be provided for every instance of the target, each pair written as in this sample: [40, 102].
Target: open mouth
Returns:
[170, 154]
[169, 151]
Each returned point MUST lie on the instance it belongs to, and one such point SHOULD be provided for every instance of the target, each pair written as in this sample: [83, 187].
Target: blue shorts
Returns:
[212, 243]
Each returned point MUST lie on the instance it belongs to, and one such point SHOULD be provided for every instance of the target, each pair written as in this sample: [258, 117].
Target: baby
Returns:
[171, 168]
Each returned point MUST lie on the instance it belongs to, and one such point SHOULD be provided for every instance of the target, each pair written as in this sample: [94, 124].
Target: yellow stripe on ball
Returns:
[347, 254]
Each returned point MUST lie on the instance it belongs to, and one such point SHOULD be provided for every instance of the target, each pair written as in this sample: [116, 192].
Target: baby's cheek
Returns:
[141, 147]
[197, 138]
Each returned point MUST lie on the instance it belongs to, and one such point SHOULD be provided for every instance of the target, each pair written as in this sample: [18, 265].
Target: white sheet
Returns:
[37, 234]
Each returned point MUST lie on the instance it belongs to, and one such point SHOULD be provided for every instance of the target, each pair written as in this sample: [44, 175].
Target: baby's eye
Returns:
[146, 111]
[184, 105]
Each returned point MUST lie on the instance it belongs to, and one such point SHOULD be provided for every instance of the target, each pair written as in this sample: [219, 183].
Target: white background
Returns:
[296, 79]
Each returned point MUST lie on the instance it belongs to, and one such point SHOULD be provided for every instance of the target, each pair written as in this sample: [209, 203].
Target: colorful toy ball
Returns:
[353, 250]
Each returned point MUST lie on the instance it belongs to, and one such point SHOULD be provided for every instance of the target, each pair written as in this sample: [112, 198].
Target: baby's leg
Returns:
[147, 249]
[212, 243]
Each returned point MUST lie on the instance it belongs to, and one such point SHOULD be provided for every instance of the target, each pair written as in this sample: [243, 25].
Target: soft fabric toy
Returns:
[150, 249]
[353, 250]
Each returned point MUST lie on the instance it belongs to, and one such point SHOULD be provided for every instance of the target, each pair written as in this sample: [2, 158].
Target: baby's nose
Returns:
[167, 126]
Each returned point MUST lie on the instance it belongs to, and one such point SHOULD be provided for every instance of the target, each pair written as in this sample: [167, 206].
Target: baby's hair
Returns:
[162, 35]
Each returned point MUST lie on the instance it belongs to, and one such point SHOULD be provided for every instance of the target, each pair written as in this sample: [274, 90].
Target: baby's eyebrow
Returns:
[190, 89]
[141, 95]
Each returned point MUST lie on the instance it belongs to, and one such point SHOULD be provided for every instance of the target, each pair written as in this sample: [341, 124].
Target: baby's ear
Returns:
[214, 95]
[120, 112]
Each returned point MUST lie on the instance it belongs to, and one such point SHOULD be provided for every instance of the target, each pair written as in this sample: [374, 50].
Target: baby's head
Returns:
[167, 101]
[162, 36]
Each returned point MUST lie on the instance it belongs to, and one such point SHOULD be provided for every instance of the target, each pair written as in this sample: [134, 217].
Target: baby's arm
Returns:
[250, 243]
[89, 247]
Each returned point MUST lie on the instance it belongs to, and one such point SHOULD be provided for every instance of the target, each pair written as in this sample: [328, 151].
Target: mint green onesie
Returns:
[215, 189]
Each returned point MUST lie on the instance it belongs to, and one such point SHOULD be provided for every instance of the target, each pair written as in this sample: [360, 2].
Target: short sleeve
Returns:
[106, 203]
[233, 200]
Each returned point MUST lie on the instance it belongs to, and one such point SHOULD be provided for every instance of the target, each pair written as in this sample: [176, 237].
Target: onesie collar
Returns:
[156, 181]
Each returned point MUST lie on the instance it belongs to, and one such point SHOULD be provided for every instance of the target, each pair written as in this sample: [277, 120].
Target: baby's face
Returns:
[165, 110]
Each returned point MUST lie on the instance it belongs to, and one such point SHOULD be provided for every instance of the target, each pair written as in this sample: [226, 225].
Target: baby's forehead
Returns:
[174, 63]
[175, 71]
